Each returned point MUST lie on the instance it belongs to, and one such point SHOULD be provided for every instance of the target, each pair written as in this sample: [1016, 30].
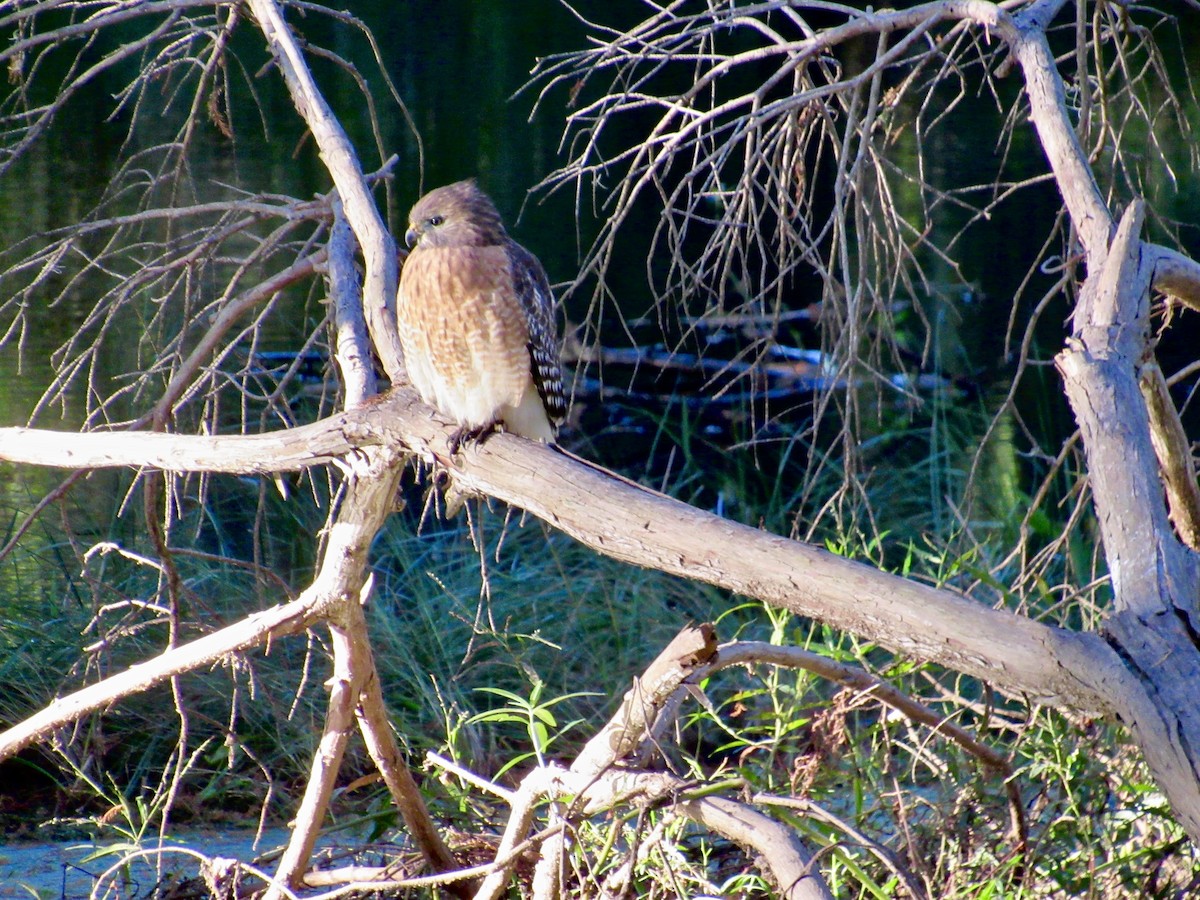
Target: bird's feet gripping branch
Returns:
[465, 435]
[476, 320]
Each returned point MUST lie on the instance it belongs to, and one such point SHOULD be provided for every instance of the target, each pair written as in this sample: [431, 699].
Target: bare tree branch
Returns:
[280, 451]
[378, 248]
[253, 631]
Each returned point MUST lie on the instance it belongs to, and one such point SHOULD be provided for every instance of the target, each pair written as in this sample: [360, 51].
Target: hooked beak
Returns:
[411, 237]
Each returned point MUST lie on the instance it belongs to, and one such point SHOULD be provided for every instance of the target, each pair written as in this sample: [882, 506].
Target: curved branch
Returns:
[789, 862]
[747, 653]
[1175, 274]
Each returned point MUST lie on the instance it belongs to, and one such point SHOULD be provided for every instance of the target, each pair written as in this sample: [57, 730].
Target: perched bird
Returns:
[476, 319]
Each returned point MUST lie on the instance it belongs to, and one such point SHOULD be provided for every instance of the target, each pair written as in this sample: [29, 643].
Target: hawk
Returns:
[476, 319]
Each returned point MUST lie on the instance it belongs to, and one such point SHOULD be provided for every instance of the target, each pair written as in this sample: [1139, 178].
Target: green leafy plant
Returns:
[534, 715]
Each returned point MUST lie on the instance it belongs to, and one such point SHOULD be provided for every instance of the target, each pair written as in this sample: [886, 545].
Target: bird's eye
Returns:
[435, 221]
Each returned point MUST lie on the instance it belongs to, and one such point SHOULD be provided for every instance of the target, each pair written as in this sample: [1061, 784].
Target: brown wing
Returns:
[532, 288]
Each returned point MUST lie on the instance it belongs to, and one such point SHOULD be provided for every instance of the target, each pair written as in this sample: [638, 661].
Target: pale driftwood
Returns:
[1025, 34]
[376, 730]
[345, 684]
[784, 857]
[595, 784]
[545, 781]
[625, 731]
[339, 589]
[354, 694]
[1098, 368]
[1016, 654]
[278, 451]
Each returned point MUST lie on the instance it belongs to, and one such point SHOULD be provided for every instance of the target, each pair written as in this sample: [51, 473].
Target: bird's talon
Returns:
[465, 434]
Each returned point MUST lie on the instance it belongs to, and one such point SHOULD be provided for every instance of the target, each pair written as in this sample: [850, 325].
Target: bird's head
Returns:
[457, 215]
